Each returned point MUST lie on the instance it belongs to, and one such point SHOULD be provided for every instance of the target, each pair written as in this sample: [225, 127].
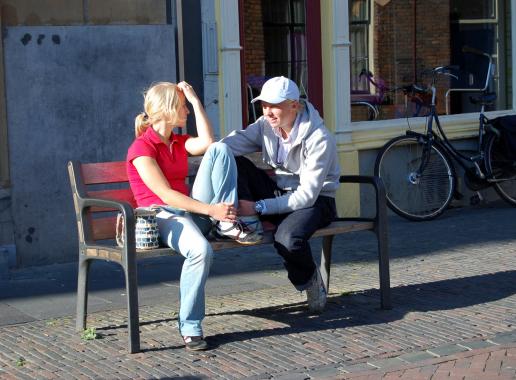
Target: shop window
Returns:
[395, 42]
[285, 40]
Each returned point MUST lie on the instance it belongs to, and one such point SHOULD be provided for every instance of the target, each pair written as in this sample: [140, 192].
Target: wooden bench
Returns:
[100, 190]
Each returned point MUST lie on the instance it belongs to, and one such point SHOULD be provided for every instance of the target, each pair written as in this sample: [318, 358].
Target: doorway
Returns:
[480, 24]
[279, 38]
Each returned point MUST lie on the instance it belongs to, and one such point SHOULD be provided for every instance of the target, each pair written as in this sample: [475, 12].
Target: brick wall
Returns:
[253, 27]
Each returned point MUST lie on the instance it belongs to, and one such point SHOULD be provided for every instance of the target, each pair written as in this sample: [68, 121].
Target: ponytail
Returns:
[141, 123]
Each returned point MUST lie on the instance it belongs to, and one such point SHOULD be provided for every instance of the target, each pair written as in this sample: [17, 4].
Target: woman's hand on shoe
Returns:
[225, 212]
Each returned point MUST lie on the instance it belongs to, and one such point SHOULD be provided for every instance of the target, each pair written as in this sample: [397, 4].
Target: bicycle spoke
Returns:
[501, 170]
[411, 194]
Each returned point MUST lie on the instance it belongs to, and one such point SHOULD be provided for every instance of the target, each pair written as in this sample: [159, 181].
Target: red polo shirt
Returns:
[172, 159]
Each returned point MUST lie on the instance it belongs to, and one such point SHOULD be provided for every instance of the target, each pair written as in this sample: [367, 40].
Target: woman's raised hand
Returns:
[189, 92]
[224, 212]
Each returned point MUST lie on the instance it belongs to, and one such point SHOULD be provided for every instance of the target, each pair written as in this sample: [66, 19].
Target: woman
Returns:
[157, 167]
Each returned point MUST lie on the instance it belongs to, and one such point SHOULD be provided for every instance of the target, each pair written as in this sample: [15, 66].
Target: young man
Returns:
[301, 198]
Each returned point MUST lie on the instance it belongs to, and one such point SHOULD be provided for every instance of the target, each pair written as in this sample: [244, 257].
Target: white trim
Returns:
[367, 135]
[340, 53]
[230, 67]
[513, 49]
[211, 64]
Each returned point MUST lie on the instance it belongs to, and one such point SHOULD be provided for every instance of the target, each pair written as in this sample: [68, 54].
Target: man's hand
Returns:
[246, 208]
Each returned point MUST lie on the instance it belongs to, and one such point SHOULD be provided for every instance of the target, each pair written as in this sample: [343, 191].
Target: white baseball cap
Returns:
[277, 90]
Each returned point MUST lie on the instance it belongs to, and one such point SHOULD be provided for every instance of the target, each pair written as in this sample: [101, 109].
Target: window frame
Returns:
[373, 134]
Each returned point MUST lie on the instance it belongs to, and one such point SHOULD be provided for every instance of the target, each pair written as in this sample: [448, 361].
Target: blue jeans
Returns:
[216, 182]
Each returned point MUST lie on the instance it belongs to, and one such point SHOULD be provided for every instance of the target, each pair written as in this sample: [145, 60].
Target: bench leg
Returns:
[383, 259]
[326, 261]
[133, 323]
[82, 293]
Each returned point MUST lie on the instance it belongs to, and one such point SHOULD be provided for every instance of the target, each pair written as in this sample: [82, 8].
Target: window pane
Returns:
[405, 41]
[359, 60]
[359, 11]
[473, 9]
[298, 11]
[276, 11]
[285, 39]
[277, 52]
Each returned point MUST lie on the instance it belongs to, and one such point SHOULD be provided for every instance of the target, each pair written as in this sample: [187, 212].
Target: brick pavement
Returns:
[454, 295]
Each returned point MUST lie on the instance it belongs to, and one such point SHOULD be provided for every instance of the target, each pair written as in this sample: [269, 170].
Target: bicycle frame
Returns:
[432, 137]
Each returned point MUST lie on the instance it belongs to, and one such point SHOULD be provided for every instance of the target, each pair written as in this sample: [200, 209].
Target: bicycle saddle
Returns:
[485, 99]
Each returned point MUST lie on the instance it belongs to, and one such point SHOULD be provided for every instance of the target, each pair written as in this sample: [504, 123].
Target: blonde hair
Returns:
[300, 107]
[161, 102]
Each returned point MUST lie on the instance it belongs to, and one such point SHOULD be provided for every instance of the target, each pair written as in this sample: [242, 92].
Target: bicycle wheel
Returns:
[412, 196]
[501, 169]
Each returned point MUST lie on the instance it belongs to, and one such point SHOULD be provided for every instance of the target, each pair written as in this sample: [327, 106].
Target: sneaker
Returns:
[253, 223]
[195, 343]
[238, 231]
[316, 293]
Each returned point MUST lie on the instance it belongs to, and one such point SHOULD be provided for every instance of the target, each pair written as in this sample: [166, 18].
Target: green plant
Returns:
[21, 362]
[89, 334]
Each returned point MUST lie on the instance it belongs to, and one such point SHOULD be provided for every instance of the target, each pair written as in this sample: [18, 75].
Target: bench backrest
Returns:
[108, 180]
[105, 180]
[106, 173]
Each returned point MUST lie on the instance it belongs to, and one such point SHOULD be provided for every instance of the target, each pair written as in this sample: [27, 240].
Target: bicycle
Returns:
[382, 95]
[417, 169]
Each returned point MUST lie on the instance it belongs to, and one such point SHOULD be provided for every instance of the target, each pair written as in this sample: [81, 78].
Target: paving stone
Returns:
[386, 363]
[477, 344]
[413, 357]
[454, 292]
[504, 338]
[447, 349]
[324, 372]
[292, 375]
[359, 367]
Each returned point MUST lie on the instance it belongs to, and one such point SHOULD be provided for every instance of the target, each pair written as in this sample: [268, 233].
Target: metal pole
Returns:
[180, 49]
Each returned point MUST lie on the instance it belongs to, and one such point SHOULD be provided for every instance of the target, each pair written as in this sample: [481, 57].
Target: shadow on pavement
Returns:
[362, 308]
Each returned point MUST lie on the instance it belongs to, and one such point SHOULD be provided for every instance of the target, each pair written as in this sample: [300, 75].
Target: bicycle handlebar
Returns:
[490, 67]
[413, 87]
[468, 49]
[446, 70]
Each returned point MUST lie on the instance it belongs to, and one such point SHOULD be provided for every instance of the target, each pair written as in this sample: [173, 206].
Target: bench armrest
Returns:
[380, 229]
[380, 206]
[123, 207]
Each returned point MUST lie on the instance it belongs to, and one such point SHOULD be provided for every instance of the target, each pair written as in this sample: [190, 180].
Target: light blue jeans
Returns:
[216, 182]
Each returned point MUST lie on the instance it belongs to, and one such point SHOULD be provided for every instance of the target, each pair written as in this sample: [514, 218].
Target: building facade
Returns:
[73, 73]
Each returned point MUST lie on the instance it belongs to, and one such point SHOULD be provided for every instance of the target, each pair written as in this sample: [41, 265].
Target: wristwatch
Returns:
[259, 207]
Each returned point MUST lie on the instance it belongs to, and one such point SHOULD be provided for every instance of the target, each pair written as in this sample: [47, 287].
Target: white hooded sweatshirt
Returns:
[310, 169]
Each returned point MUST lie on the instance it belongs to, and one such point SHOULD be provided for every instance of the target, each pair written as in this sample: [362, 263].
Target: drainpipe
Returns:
[414, 41]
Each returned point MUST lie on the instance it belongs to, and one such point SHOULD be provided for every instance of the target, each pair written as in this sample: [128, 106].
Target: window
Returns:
[359, 36]
[284, 39]
[394, 43]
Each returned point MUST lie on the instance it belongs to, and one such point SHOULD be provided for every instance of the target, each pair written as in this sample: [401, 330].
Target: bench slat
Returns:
[104, 228]
[104, 172]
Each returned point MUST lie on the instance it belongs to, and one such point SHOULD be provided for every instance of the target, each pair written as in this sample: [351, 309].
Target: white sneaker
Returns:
[238, 231]
[253, 223]
[316, 293]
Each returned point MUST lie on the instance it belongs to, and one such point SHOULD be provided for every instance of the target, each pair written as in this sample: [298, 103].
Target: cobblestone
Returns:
[454, 296]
